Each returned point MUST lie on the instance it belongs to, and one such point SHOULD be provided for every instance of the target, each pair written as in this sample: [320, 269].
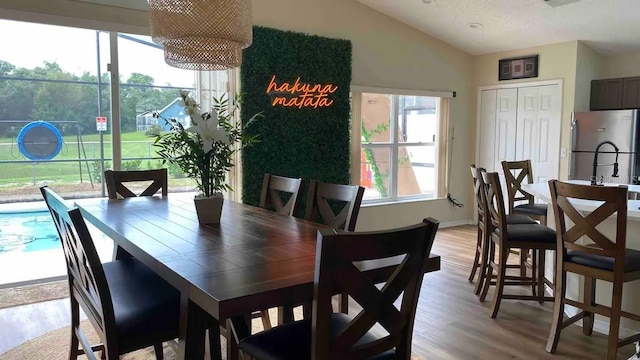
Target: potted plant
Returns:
[204, 151]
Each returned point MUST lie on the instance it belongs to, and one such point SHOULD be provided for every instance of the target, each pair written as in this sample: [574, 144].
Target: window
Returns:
[399, 145]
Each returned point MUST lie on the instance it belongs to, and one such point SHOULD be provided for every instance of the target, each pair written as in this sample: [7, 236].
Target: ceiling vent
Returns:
[556, 3]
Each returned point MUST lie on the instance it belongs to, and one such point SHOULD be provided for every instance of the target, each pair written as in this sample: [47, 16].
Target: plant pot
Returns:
[209, 209]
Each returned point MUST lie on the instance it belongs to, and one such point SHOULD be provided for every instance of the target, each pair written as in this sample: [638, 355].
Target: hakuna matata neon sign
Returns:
[300, 94]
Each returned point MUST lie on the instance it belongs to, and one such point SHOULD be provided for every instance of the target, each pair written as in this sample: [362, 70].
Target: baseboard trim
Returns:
[448, 224]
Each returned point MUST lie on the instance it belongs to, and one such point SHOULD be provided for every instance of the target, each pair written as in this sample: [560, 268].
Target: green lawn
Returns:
[84, 158]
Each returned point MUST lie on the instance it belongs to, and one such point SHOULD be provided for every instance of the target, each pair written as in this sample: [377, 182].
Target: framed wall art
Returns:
[518, 68]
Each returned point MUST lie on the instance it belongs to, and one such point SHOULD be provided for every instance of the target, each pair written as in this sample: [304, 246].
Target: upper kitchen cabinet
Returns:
[631, 93]
[606, 94]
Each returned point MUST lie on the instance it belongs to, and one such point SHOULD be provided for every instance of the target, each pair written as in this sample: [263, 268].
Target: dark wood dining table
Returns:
[253, 260]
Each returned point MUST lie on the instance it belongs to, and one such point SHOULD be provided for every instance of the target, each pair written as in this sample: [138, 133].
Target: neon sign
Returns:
[300, 94]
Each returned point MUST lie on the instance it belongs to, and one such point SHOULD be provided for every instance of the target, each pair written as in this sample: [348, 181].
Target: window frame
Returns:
[393, 144]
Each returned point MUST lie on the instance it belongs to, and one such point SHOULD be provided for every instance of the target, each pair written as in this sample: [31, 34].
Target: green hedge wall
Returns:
[307, 142]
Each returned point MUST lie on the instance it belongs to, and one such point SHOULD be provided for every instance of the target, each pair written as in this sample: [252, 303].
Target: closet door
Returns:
[538, 130]
[505, 127]
[487, 128]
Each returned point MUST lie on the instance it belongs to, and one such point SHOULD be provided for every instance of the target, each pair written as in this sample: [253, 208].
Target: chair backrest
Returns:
[116, 182]
[478, 190]
[335, 271]
[494, 201]
[515, 172]
[281, 194]
[564, 196]
[337, 205]
[87, 281]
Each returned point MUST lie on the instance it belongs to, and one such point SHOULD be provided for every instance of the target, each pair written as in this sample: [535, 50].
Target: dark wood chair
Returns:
[524, 237]
[281, 194]
[117, 182]
[338, 206]
[129, 306]
[599, 258]
[329, 335]
[335, 205]
[482, 241]
[515, 173]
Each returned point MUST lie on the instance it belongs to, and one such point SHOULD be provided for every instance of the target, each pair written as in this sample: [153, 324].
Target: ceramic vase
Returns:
[209, 209]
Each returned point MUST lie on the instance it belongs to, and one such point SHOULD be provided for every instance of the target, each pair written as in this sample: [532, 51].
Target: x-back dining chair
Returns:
[601, 258]
[505, 236]
[117, 180]
[338, 206]
[327, 335]
[480, 261]
[281, 194]
[129, 306]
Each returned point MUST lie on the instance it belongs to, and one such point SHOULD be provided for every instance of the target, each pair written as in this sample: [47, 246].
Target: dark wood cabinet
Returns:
[631, 93]
[606, 94]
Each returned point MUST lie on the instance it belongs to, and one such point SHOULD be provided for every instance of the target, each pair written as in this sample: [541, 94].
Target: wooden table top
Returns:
[252, 260]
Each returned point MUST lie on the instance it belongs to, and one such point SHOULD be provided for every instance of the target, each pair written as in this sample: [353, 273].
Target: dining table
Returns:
[254, 259]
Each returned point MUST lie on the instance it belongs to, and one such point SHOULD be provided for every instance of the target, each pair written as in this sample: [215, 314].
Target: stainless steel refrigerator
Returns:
[589, 129]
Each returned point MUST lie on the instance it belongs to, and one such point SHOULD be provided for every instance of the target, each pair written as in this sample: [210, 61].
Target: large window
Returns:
[399, 145]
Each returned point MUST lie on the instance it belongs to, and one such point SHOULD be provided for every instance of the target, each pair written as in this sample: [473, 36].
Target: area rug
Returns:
[54, 345]
[29, 294]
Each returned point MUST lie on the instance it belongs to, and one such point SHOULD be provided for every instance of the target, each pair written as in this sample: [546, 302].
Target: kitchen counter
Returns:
[574, 282]
[541, 192]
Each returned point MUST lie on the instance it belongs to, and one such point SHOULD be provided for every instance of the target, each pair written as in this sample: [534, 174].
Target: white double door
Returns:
[521, 123]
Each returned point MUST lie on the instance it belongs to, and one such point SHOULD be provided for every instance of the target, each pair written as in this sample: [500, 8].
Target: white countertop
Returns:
[541, 192]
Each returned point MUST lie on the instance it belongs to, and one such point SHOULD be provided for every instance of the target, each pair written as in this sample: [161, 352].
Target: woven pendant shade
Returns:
[202, 34]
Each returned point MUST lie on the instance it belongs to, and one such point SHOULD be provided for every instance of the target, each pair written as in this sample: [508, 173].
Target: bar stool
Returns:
[515, 172]
[482, 242]
[534, 237]
[601, 259]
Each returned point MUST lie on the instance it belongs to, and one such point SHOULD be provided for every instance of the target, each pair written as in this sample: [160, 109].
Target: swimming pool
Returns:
[27, 231]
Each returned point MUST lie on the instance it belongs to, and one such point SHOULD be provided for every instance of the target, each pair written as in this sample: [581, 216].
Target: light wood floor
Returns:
[450, 323]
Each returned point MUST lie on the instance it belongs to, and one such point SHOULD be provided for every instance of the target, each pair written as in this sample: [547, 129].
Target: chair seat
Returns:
[631, 260]
[293, 341]
[529, 233]
[145, 305]
[519, 219]
[532, 209]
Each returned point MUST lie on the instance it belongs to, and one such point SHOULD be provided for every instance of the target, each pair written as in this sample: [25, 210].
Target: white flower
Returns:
[209, 132]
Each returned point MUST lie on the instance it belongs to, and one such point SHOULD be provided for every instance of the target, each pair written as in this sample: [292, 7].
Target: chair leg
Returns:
[482, 266]
[159, 351]
[534, 271]
[558, 310]
[524, 253]
[541, 265]
[75, 322]
[489, 273]
[502, 269]
[614, 320]
[344, 303]
[589, 297]
[476, 259]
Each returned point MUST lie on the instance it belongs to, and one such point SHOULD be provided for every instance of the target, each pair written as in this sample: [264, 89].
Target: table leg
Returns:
[191, 336]
[285, 314]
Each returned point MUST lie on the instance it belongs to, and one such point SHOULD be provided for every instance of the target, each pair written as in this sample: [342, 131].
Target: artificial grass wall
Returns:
[309, 138]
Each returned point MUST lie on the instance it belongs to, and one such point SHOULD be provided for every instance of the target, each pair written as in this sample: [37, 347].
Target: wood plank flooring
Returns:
[450, 323]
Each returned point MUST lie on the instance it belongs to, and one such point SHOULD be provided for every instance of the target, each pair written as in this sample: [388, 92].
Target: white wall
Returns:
[386, 53]
[620, 66]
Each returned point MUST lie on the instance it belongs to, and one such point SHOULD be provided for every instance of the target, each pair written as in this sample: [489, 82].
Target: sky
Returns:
[28, 45]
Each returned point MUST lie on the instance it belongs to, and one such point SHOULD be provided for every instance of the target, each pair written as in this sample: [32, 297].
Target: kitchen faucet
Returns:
[595, 162]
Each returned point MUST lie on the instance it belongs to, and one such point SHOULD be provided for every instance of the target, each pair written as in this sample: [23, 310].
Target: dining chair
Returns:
[534, 237]
[482, 241]
[129, 306]
[281, 194]
[327, 335]
[116, 181]
[515, 172]
[584, 250]
[335, 205]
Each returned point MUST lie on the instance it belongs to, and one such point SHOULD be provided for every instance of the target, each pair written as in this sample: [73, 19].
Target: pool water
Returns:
[27, 231]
